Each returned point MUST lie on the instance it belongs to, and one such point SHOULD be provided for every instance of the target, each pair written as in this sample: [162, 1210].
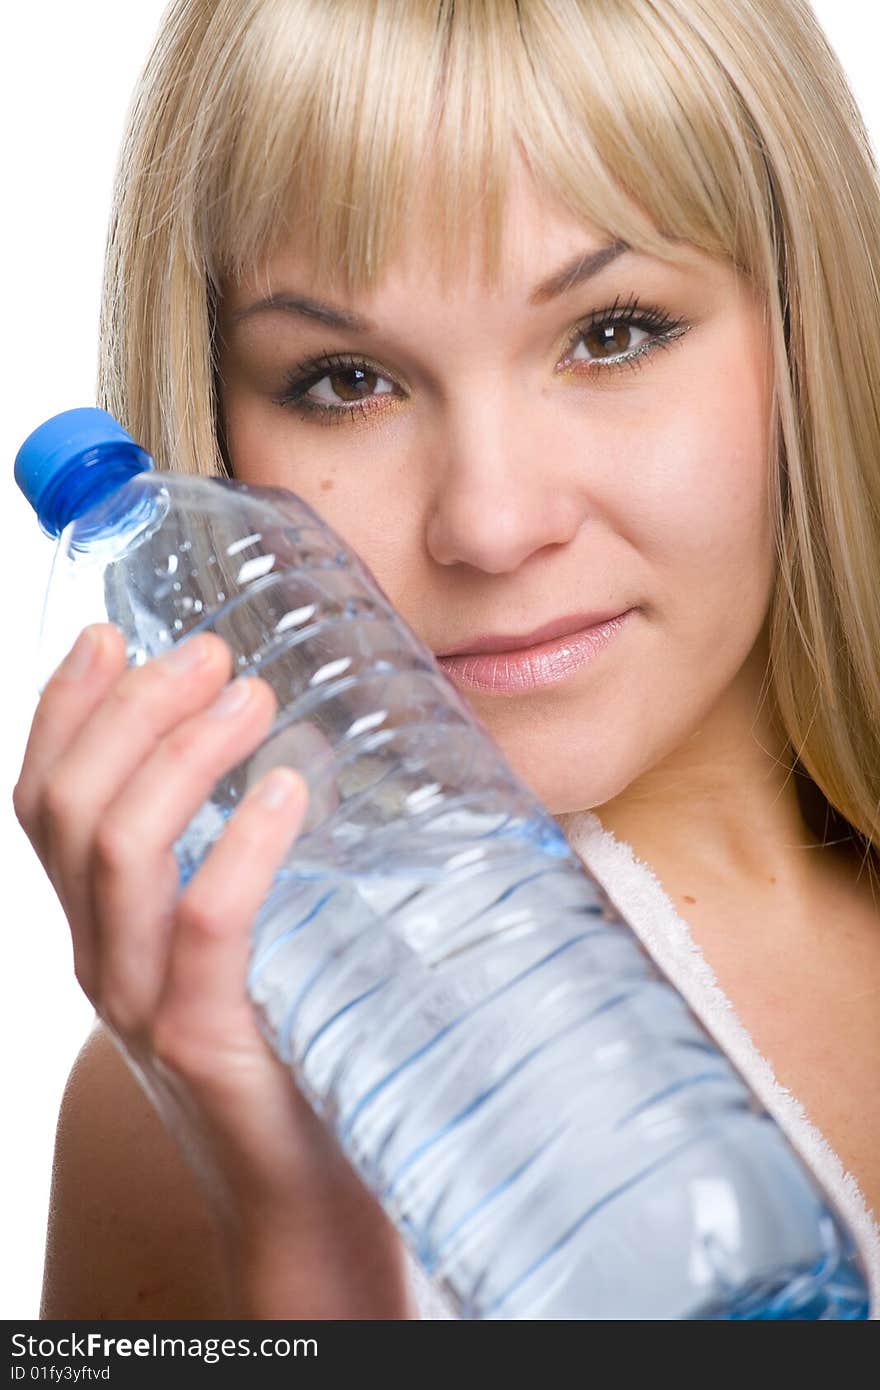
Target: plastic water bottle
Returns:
[550, 1127]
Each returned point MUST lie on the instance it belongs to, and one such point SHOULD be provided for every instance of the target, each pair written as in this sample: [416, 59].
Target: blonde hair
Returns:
[726, 124]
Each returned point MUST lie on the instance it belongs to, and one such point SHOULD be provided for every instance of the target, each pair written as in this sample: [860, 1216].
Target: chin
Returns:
[565, 790]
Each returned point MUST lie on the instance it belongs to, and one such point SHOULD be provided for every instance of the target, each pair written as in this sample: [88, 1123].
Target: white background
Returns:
[68, 71]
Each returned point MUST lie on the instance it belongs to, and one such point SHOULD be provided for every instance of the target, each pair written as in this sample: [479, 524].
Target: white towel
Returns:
[648, 909]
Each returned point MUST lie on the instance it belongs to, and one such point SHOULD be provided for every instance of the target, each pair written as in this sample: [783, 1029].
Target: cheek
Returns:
[701, 518]
[258, 437]
[265, 452]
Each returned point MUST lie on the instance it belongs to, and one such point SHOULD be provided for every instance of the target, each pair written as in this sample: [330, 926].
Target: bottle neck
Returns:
[86, 481]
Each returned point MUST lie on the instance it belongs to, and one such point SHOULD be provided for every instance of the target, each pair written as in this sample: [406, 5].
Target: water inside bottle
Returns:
[503, 1012]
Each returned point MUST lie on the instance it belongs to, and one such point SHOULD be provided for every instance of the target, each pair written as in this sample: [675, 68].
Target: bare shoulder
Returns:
[128, 1233]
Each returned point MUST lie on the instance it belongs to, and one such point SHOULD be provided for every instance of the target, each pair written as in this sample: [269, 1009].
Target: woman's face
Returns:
[501, 460]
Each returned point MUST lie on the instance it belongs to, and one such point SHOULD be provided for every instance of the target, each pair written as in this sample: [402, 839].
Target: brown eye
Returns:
[354, 383]
[351, 383]
[609, 339]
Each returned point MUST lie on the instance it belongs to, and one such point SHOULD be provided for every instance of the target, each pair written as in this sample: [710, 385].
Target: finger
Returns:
[204, 1004]
[134, 873]
[125, 726]
[71, 694]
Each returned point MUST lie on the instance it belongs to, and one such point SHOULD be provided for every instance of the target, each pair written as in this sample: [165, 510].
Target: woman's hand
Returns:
[118, 761]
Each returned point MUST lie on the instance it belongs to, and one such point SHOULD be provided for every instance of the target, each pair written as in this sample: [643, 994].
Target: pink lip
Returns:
[546, 663]
[504, 642]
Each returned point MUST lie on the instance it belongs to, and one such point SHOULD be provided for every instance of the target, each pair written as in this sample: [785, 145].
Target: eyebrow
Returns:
[575, 271]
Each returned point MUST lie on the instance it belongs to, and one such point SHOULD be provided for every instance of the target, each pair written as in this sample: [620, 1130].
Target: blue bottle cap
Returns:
[73, 440]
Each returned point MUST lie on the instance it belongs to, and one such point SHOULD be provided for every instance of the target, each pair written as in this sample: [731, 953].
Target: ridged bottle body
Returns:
[548, 1124]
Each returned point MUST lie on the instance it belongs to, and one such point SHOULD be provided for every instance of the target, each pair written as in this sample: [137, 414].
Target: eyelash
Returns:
[312, 370]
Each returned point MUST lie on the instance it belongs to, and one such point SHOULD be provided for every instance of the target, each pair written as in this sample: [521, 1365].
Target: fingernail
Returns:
[233, 697]
[81, 655]
[187, 654]
[277, 789]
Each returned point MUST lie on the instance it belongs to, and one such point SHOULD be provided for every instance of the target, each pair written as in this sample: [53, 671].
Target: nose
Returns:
[501, 492]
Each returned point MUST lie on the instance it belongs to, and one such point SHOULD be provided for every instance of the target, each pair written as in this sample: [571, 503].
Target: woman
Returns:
[463, 235]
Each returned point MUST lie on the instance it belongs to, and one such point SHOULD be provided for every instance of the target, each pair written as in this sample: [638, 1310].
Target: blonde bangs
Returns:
[336, 125]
